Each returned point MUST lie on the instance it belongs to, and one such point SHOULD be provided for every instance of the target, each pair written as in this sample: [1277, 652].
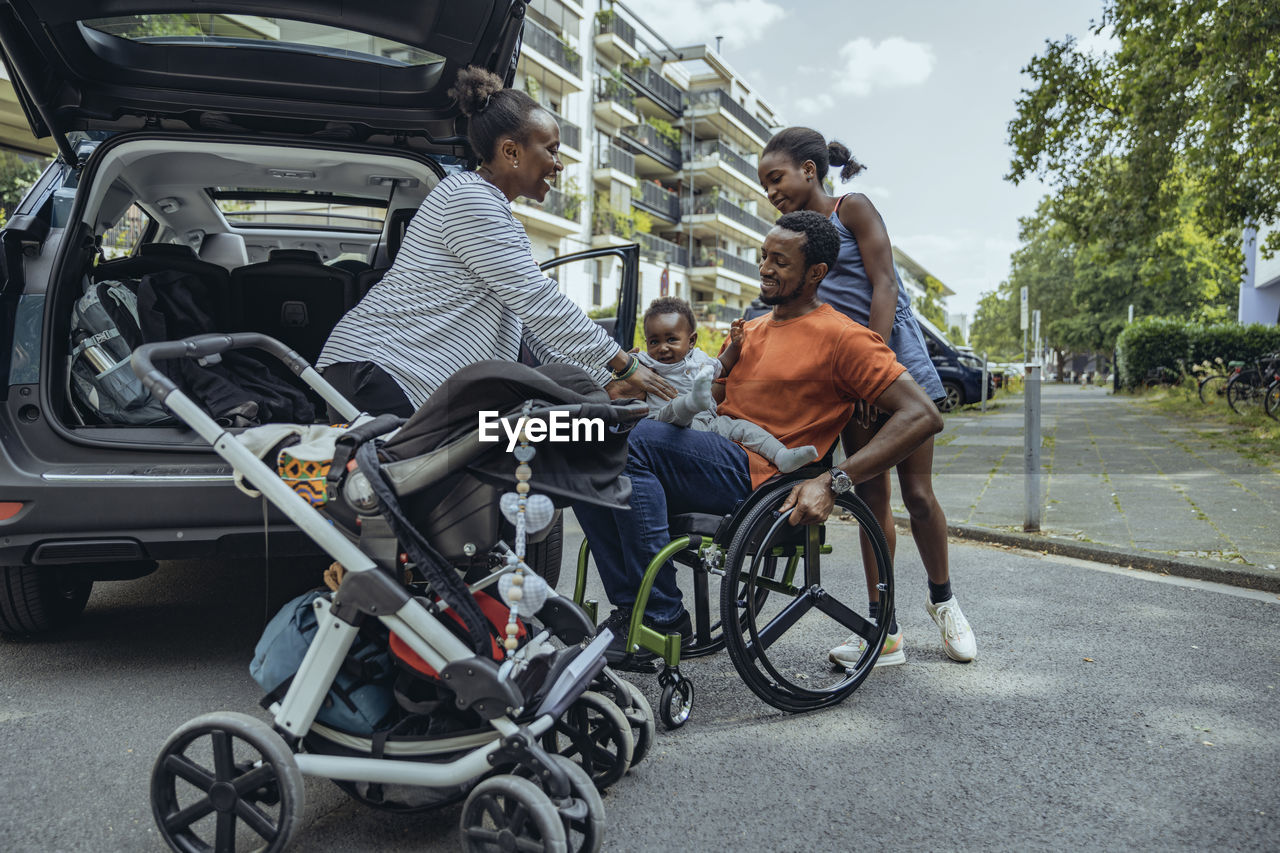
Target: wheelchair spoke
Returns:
[838, 611]
[778, 625]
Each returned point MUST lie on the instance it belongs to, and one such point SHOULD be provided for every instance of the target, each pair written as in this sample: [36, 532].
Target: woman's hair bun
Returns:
[839, 155]
[473, 88]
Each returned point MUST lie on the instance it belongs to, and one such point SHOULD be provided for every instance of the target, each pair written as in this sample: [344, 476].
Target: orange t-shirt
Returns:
[799, 379]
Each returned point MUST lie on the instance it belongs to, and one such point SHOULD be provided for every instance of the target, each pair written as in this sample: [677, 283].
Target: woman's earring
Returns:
[515, 164]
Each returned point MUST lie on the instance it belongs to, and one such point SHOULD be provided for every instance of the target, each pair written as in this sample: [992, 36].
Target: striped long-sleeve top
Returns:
[464, 287]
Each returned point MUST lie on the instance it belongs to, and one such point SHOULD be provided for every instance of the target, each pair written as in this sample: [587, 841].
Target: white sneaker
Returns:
[848, 653]
[957, 636]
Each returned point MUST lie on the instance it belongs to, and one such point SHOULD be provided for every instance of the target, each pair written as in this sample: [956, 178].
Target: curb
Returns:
[1233, 574]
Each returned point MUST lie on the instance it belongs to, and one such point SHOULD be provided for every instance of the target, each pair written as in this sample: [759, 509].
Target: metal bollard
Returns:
[1031, 446]
[984, 383]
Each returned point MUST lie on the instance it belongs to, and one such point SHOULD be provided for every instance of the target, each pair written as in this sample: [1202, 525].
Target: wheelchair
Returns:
[771, 592]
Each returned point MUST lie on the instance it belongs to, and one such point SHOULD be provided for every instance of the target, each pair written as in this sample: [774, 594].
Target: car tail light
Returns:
[8, 509]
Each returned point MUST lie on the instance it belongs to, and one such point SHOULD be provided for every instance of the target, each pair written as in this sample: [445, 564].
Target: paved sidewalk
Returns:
[1122, 483]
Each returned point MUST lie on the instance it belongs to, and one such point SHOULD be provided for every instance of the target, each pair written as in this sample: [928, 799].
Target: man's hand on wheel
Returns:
[811, 501]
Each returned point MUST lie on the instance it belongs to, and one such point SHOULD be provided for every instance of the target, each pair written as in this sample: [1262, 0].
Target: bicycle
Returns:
[1247, 391]
[1214, 386]
[1272, 401]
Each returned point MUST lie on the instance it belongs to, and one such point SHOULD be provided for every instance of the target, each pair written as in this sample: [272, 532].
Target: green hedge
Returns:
[1152, 343]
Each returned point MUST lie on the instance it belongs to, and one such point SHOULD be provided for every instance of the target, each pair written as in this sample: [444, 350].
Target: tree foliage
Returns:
[1191, 96]
[17, 174]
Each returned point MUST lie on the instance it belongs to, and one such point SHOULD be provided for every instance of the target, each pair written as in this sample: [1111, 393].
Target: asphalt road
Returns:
[1108, 709]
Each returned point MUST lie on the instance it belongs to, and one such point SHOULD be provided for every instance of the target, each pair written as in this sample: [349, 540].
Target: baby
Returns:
[670, 337]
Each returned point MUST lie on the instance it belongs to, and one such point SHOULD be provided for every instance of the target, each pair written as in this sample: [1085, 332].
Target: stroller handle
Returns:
[202, 346]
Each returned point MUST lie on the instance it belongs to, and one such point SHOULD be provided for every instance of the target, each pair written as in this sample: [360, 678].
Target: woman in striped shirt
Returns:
[464, 286]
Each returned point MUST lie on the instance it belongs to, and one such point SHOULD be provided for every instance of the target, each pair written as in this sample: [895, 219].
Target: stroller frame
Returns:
[367, 591]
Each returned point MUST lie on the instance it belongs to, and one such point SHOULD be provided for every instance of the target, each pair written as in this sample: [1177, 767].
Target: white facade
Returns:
[659, 145]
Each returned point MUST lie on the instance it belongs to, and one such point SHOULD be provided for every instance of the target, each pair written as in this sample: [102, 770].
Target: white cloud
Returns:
[892, 62]
[819, 104]
[682, 22]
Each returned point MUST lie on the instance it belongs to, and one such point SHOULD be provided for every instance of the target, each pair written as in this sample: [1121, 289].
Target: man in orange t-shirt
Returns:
[802, 369]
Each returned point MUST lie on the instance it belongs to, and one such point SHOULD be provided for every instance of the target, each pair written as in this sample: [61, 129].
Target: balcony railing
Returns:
[613, 157]
[661, 90]
[570, 133]
[561, 204]
[714, 312]
[720, 98]
[722, 207]
[663, 250]
[647, 136]
[609, 89]
[727, 260]
[620, 28]
[660, 200]
[550, 45]
[731, 158]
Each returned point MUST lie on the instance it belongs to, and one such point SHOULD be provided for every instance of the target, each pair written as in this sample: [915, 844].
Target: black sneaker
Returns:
[619, 622]
[682, 625]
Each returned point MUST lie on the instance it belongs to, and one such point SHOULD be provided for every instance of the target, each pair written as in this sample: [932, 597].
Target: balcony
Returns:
[559, 213]
[615, 37]
[727, 261]
[614, 164]
[659, 201]
[614, 103]
[730, 158]
[564, 60]
[661, 251]
[653, 87]
[714, 102]
[743, 224]
[570, 134]
[653, 149]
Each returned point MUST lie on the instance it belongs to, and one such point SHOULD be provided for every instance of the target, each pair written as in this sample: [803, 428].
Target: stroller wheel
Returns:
[226, 781]
[583, 813]
[509, 813]
[640, 716]
[595, 733]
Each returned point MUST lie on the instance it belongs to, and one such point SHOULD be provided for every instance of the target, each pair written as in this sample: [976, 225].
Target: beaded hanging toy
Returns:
[521, 588]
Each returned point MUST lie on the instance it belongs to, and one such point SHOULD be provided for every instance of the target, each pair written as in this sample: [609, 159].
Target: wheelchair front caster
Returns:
[221, 774]
[677, 698]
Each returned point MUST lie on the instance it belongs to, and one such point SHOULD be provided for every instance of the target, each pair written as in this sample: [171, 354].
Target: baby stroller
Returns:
[420, 514]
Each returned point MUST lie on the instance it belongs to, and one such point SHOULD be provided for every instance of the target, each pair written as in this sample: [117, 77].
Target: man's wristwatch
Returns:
[840, 482]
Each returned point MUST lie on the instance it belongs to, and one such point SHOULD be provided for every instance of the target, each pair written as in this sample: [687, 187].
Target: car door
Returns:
[622, 326]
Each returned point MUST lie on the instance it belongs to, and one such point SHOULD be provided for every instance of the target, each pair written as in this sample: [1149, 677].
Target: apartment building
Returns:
[660, 144]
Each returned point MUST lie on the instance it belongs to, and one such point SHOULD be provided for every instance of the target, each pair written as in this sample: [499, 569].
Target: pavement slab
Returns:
[1116, 474]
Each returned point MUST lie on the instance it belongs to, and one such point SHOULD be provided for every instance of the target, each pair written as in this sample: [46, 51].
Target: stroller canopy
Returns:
[584, 470]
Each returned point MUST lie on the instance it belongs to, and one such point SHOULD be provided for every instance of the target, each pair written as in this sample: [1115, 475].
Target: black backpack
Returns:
[104, 331]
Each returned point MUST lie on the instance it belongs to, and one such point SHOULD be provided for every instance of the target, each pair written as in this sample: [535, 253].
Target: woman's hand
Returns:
[810, 502]
[640, 385]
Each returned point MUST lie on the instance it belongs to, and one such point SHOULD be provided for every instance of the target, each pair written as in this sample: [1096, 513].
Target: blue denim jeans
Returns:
[672, 471]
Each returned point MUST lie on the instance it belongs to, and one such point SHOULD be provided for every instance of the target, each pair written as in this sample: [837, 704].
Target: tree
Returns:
[929, 306]
[17, 174]
[1191, 96]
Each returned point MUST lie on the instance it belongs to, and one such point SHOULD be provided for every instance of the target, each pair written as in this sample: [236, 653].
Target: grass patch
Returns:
[1255, 436]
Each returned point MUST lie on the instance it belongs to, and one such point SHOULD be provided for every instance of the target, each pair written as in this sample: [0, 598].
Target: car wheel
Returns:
[36, 600]
[954, 398]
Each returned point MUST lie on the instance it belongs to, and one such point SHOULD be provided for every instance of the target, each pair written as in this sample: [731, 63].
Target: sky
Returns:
[921, 91]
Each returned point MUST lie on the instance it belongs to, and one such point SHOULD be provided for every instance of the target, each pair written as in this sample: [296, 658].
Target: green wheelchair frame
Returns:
[744, 548]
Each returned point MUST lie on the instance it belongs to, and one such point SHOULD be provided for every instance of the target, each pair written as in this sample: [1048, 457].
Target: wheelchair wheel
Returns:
[780, 645]
[509, 813]
[226, 781]
[677, 698]
[595, 733]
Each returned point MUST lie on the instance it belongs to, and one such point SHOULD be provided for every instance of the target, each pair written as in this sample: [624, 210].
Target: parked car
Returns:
[960, 372]
[243, 160]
